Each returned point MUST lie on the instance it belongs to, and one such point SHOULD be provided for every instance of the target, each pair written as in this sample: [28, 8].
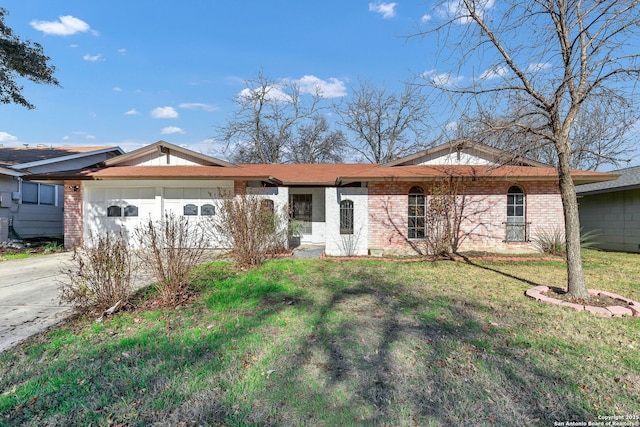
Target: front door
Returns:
[301, 208]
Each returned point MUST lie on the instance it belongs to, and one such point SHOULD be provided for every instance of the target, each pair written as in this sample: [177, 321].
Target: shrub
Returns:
[554, 241]
[551, 241]
[443, 219]
[251, 227]
[99, 275]
[169, 249]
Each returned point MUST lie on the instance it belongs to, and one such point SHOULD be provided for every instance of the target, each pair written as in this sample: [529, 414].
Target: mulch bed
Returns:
[594, 300]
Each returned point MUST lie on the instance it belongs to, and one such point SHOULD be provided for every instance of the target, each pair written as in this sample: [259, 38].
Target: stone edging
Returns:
[633, 308]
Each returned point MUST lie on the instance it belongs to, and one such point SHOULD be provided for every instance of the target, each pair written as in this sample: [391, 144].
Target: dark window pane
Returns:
[29, 193]
[114, 211]
[47, 194]
[207, 210]
[190, 209]
[131, 210]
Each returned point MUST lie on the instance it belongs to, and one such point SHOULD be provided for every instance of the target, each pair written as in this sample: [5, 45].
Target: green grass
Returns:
[324, 342]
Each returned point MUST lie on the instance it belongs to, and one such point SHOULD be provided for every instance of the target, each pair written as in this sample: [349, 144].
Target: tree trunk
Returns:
[576, 284]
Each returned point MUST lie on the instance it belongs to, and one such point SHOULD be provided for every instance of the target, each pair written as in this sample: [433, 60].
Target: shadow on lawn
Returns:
[404, 369]
[380, 353]
[470, 262]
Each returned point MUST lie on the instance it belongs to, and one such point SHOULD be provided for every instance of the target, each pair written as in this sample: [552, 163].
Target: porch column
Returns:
[72, 214]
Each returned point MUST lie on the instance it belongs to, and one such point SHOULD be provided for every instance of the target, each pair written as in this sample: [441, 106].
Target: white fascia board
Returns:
[65, 158]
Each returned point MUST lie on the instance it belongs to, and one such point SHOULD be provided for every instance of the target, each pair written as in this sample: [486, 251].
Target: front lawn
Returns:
[327, 342]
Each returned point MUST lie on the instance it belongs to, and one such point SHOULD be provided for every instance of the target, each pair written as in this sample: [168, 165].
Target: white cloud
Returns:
[442, 79]
[122, 51]
[426, 18]
[6, 137]
[171, 130]
[494, 73]
[92, 58]
[333, 88]
[65, 26]
[132, 112]
[273, 93]
[456, 10]
[387, 10]
[85, 135]
[198, 106]
[538, 66]
[308, 85]
[117, 89]
[164, 113]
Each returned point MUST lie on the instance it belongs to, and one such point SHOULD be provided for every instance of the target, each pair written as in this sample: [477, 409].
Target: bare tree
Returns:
[317, 143]
[20, 59]
[598, 137]
[575, 53]
[263, 126]
[386, 125]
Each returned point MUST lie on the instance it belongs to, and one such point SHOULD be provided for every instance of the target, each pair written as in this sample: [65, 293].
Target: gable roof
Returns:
[629, 179]
[494, 155]
[165, 147]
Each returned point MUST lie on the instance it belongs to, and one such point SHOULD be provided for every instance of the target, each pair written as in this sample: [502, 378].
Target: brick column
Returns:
[72, 214]
[239, 187]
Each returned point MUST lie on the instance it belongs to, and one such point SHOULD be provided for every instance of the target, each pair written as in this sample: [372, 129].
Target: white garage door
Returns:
[118, 209]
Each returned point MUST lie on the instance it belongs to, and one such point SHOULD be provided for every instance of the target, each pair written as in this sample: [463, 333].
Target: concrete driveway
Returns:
[29, 292]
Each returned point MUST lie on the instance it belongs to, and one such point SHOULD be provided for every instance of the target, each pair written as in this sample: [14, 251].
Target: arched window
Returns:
[516, 225]
[208, 210]
[346, 217]
[131, 210]
[114, 210]
[417, 213]
[190, 210]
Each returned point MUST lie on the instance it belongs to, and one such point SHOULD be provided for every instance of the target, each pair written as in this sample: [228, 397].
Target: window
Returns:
[417, 213]
[190, 210]
[301, 211]
[30, 193]
[114, 210]
[515, 225]
[267, 205]
[38, 194]
[207, 210]
[131, 210]
[346, 217]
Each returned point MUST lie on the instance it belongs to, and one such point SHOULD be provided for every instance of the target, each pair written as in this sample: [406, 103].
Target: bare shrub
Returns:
[253, 228]
[169, 249]
[100, 275]
[444, 214]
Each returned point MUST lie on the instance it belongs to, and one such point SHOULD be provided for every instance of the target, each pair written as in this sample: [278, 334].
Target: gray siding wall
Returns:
[615, 217]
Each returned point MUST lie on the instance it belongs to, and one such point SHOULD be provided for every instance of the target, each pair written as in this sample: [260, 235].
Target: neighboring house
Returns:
[350, 209]
[33, 209]
[610, 211]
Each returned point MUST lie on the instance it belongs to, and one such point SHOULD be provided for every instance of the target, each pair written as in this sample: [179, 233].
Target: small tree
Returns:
[100, 275]
[251, 226]
[170, 248]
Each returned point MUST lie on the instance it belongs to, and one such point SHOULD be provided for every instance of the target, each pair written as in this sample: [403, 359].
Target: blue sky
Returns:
[139, 71]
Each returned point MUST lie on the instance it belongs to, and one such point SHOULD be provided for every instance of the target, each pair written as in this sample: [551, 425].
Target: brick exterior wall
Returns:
[482, 226]
[72, 214]
[239, 187]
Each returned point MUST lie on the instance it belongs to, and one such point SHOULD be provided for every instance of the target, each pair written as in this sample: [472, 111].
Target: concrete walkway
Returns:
[29, 291]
